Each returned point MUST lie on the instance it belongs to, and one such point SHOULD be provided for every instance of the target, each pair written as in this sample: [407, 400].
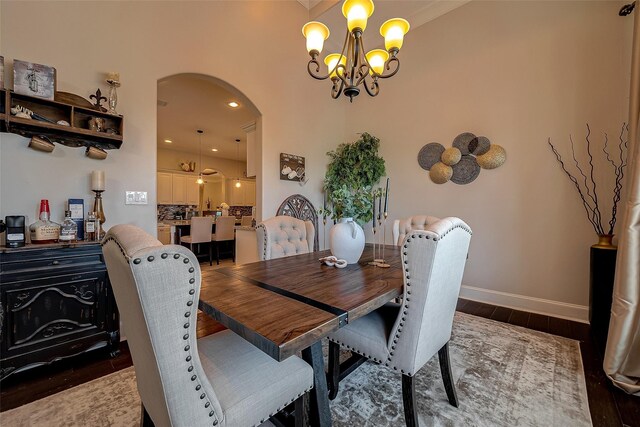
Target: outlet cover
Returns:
[135, 198]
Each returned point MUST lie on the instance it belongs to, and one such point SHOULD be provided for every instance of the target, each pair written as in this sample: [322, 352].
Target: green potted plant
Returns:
[351, 174]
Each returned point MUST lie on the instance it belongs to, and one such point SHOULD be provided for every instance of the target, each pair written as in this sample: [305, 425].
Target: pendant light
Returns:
[200, 181]
[238, 184]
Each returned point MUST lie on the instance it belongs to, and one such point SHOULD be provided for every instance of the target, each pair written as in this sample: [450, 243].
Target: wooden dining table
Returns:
[288, 305]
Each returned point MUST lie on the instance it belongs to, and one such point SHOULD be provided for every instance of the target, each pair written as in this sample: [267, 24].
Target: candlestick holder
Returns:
[97, 208]
[373, 227]
[383, 263]
[113, 96]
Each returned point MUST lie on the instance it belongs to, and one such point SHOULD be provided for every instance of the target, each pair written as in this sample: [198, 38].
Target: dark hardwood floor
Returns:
[609, 406]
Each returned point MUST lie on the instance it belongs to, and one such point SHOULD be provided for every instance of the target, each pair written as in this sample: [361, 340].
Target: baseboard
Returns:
[577, 313]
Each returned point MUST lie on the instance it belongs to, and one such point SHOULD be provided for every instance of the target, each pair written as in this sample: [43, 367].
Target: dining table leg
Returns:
[320, 415]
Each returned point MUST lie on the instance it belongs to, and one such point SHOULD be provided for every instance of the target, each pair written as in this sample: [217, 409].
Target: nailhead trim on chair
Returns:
[185, 337]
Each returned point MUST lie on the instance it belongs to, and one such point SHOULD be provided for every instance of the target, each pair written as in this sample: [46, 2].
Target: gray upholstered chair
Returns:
[403, 226]
[200, 232]
[218, 380]
[283, 235]
[225, 232]
[404, 337]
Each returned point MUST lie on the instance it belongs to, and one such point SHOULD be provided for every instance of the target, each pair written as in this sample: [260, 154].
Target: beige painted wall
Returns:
[247, 44]
[517, 72]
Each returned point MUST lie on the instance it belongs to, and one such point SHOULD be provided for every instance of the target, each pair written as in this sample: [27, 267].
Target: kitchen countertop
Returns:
[175, 222]
[245, 228]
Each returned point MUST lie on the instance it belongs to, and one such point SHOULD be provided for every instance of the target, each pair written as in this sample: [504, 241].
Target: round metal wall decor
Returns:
[479, 145]
[461, 142]
[465, 171]
[440, 173]
[493, 158]
[451, 156]
[462, 162]
[429, 155]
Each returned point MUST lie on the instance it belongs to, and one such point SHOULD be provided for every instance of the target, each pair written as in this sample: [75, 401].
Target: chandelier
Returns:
[352, 67]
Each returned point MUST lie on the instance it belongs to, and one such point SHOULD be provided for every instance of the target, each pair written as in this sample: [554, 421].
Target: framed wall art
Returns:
[291, 167]
[34, 79]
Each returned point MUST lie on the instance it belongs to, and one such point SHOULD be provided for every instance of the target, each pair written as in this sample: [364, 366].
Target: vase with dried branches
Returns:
[585, 182]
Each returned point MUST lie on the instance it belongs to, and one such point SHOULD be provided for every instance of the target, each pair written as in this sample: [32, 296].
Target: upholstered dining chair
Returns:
[200, 233]
[225, 232]
[284, 235]
[403, 226]
[218, 380]
[404, 337]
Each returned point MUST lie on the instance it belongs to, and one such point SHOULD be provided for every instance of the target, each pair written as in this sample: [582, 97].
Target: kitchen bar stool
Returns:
[200, 233]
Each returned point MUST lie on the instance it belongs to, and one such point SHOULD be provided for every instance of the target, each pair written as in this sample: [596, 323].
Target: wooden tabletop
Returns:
[283, 305]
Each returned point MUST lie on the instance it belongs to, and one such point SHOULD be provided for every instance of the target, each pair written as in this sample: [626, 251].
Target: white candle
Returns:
[113, 76]
[97, 181]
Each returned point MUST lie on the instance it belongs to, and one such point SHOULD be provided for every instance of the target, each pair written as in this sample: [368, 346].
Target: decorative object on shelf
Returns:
[1, 72]
[76, 206]
[113, 79]
[586, 185]
[352, 172]
[73, 99]
[98, 186]
[95, 153]
[41, 144]
[352, 66]
[15, 231]
[96, 124]
[98, 98]
[462, 162]
[63, 123]
[292, 167]
[188, 166]
[207, 171]
[25, 113]
[34, 79]
[44, 230]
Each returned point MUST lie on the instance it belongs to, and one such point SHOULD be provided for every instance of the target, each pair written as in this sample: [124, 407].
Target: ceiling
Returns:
[417, 12]
[187, 102]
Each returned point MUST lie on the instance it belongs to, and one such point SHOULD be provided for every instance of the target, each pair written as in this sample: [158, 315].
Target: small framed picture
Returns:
[34, 79]
[291, 167]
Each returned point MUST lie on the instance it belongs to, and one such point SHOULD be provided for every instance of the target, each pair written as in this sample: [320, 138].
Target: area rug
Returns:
[505, 376]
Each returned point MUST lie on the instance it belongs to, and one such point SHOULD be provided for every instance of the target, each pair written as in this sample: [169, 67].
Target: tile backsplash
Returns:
[170, 211]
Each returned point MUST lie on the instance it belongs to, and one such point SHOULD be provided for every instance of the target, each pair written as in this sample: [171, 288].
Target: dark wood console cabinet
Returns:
[55, 302]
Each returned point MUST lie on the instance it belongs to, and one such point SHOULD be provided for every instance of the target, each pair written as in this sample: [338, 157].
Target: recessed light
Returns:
[233, 104]
[214, 149]
[168, 141]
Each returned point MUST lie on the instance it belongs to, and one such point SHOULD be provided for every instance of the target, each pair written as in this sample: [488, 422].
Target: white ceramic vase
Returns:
[346, 240]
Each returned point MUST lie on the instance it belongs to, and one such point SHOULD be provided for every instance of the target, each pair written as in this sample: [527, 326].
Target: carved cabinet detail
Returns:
[56, 302]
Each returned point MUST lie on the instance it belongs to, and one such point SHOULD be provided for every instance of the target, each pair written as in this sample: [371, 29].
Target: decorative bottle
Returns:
[68, 229]
[91, 227]
[44, 230]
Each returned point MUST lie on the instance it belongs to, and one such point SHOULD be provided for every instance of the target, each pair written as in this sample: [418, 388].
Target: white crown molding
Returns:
[249, 127]
[563, 310]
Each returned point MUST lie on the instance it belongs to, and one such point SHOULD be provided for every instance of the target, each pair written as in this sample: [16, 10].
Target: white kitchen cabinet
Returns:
[193, 192]
[249, 193]
[179, 187]
[165, 190]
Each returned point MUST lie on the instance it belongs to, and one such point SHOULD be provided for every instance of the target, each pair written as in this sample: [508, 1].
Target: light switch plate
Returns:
[135, 198]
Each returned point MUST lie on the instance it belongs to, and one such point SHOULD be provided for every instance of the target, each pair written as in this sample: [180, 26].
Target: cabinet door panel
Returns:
[46, 310]
[193, 192]
[165, 190]
[249, 193]
[179, 189]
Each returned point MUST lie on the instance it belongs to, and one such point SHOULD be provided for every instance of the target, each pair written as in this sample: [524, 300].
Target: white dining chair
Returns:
[284, 235]
[218, 380]
[246, 221]
[405, 336]
[225, 232]
[402, 226]
[200, 233]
